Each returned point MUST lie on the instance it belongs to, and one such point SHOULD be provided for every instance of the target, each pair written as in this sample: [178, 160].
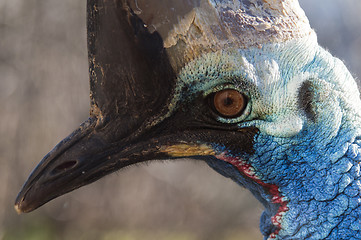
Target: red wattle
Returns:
[247, 170]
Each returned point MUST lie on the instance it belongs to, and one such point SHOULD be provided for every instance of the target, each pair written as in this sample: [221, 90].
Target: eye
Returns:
[229, 103]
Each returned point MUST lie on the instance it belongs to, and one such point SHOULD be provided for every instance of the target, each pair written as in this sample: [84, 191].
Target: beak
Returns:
[86, 155]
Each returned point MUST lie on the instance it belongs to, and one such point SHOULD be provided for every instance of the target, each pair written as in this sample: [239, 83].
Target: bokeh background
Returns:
[44, 96]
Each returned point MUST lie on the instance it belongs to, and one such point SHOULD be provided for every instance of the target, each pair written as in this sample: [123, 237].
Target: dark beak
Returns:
[82, 158]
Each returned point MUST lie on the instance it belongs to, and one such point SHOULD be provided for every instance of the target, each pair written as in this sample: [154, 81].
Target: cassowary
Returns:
[242, 85]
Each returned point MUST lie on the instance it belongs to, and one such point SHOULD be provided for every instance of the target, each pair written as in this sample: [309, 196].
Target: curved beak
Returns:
[80, 159]
[87, 155]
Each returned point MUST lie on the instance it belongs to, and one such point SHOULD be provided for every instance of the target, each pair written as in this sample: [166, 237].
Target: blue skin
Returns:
[310, 149]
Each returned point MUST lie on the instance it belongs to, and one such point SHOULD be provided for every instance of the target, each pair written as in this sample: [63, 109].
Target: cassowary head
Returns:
[242, 85]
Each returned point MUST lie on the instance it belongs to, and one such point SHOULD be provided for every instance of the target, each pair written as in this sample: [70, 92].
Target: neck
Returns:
[332, 219]
[315, 203]
[330, 206]
[321, 202]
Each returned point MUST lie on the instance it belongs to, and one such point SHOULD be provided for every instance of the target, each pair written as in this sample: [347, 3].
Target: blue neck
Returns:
[326, 204]
[322, 203]
[319, 176]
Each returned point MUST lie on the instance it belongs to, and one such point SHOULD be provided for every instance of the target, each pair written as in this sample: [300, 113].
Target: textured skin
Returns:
[305, 168]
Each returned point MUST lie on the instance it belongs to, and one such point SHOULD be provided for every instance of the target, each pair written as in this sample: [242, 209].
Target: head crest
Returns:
[191, 27]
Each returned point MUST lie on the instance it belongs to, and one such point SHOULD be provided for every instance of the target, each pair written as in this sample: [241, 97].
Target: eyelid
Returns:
[223, 87]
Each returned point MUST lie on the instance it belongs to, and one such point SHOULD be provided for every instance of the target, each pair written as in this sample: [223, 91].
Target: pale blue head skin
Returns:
[307, 108]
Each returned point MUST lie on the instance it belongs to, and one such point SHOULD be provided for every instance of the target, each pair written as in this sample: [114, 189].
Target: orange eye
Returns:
[229, 103]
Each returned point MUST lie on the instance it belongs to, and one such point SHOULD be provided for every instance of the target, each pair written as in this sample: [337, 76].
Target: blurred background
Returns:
[45, 95]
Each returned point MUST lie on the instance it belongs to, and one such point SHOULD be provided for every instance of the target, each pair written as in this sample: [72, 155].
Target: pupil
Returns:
[228, 101]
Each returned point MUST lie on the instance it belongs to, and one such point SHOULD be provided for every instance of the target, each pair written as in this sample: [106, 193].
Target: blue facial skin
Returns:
[307, 108]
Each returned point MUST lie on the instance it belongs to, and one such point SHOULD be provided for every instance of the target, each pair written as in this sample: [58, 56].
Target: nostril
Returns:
[65, 166]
